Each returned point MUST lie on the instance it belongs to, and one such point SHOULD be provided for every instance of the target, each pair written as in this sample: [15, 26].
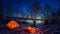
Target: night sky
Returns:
[25, 4]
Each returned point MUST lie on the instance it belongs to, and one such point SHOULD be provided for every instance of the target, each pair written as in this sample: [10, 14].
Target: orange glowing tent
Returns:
[31, 29]
[12, 24]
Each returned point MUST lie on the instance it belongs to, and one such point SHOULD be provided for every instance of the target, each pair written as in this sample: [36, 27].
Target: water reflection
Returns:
[38, 22]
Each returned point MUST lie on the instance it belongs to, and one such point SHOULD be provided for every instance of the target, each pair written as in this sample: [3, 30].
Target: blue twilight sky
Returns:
[24, 4]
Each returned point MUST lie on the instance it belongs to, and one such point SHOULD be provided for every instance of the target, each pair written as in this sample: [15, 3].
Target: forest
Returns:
[50, 15]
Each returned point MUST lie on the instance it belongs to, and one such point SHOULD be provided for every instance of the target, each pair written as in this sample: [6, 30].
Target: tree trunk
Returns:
[34, 23]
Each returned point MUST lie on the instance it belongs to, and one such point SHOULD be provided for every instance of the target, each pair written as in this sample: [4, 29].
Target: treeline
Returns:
[52, 16]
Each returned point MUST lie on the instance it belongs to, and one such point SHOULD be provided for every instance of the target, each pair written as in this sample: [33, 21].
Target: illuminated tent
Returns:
[30, 29]
[12, 24]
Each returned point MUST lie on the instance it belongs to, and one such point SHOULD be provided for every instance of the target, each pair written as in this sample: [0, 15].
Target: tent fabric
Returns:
[12, 24]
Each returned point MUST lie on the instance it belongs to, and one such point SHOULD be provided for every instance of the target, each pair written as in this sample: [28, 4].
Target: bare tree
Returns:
[34, 11]
[9, 12]
[47, 10]
[56, 17]
[1, 11]
[58, 11]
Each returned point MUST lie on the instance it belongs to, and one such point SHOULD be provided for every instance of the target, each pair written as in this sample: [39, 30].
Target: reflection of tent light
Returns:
[12, 24]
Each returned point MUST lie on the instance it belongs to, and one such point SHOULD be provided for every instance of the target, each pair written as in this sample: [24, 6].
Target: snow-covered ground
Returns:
[46, 29]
